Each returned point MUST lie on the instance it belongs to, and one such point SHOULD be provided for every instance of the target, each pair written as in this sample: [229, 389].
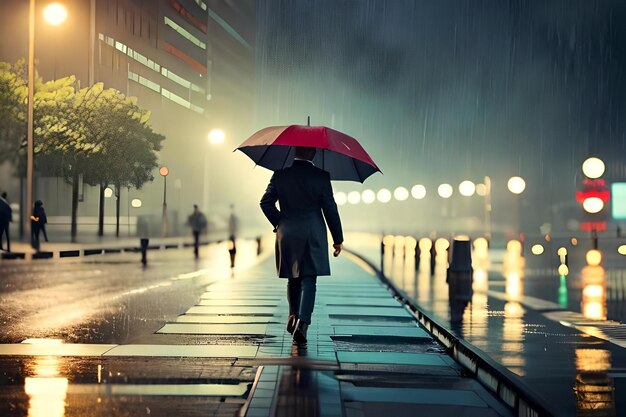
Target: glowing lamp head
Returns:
[341, 198]
[164, 171]
[384, 195]
[563, 270]
[368, 196]
[593, 257]
[537, 249]
[467, 188]
[425, 244]
[516, 185]
[593, 167]
[136, 203]
[388, 240]
[445, 191]
[593, 205]
[216, 136]
[481, 244]
[418, 191]
[514, 246]
[401, 193]
[562, 251]
[441, 245]
[55, 14]
[354, 197]
[108, 192]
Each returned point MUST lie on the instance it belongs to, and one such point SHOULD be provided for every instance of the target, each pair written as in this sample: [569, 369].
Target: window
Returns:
[144, 81]
[184, 33]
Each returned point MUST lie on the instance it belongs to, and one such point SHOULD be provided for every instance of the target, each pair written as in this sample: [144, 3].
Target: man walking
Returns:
[6, 216]
[198, 223]
[306, 198]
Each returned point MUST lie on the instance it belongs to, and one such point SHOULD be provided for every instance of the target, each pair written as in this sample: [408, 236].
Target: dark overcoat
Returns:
[306, 199]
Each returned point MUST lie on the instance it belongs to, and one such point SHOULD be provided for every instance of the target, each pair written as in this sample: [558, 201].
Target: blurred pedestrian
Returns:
[38, 224]
[233, 229]
[6, 216]
[306, 199]
[198, 223]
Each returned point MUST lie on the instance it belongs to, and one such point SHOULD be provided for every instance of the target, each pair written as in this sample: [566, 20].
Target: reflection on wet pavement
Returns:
[518, 308]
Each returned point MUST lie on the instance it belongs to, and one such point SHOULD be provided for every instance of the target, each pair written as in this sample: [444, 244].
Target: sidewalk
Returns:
[230, 354]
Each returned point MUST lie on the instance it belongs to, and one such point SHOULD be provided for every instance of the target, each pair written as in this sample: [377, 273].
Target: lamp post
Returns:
[215, 137]
[54, 14]
[164, 171]
[517, 185]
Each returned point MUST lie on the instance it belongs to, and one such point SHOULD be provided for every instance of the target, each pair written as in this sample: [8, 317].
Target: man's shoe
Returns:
[291, 323]
[299, 334]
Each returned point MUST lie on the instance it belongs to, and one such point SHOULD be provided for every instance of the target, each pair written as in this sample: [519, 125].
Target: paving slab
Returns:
[216, 319]
[202, 351]
[230, 310]
[444, 397]
[192, 328]
[405, 331]
[395, 358]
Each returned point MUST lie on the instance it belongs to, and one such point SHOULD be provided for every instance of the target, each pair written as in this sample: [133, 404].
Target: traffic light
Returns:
[594, 197]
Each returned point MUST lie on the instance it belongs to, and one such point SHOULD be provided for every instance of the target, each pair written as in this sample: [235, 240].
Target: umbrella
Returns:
[339, 154]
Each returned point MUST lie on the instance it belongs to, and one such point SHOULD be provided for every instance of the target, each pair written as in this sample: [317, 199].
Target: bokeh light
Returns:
[481, 190]
[341, 198]
[445, 191]
[136, 203]
[425, 244]
[354, 197]
[516, 185]
[216, 136]
[467, 188]
[108, 192]
[593, 257]
[368, 196]
[593, 205]
[537, 249]
[563, 270]
[622, 250]
[401, 193]
[593, 167]
[418, 191]
[55, 14]
[384, 195]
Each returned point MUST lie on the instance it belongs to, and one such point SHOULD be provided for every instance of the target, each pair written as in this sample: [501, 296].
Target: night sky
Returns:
[441, 91]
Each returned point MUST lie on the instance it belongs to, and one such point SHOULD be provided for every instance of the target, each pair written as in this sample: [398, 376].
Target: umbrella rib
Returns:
[286, 156]
[267, 148]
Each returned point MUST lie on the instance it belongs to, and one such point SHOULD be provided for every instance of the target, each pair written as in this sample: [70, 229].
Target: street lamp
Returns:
[215, 137]
[593, 168]
[164, 171]
[54, 14]
[516, 185]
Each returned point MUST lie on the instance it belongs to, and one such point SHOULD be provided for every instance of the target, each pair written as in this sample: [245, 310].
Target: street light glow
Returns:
[340, 198]
[418, 191]
[593, 257]
[401, 193]
[164, 171]
[481, 190]
[55, 14]
[537, 249]
[354, 197]
[593, 205]
[108, 192]
[368, 196]
[467, 188]
[445, 191]
[384, 195]
[136, 203]
[622, 250]
[516, 185]
[217, 136]
[593, 167]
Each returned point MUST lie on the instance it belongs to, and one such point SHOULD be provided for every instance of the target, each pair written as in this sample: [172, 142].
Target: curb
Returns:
[509, 388]
[72, 253]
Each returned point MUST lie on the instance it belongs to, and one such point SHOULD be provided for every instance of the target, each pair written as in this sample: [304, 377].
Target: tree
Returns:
[98, 133]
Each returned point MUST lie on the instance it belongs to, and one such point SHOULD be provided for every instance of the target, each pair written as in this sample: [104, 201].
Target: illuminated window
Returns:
[184, 33]
[120, 47]
[144, 81]
[180, 101]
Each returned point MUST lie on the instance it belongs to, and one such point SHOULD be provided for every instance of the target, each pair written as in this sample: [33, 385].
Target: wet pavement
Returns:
[228, 353]
[561, 334]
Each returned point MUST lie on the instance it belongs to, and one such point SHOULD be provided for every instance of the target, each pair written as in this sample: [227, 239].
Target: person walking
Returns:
[305, 195]
[6, 216]
[38, 224]
[198, 223]
[233, 229]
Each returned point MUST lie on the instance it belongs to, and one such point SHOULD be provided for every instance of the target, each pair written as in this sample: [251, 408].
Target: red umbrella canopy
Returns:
[339, 154]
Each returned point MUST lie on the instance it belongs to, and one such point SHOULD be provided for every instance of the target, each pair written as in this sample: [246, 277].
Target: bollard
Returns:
[258, 245]
[418, 254]
[459, 278]
[144, 250]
